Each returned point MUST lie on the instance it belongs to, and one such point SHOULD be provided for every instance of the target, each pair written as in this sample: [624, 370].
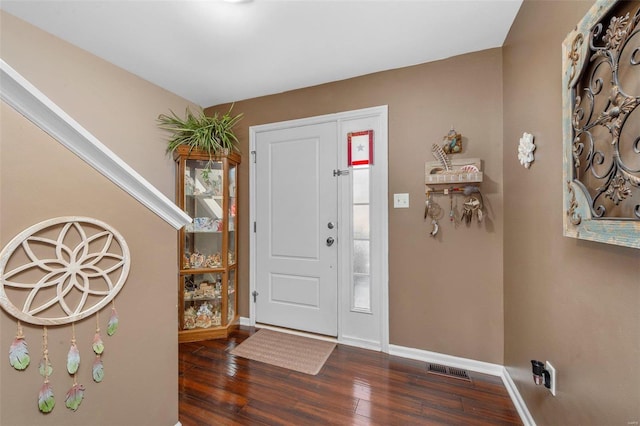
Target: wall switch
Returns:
[552, 377]
[400, 201]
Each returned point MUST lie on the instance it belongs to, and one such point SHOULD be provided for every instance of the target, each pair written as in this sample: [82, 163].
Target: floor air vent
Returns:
[443, 370]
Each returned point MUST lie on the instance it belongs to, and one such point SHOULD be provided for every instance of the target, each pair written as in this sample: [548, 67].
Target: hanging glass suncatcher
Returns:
[56, 273]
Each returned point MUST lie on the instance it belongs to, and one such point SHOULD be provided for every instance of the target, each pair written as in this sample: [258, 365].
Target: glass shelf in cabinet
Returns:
[205, 196]
[203, 232]
[201, 271]
[189, 299]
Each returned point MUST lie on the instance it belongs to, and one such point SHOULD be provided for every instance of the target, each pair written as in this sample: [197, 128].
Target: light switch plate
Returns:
[400, 201]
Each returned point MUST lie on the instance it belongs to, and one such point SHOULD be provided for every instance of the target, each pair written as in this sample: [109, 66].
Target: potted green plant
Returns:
[212, 134]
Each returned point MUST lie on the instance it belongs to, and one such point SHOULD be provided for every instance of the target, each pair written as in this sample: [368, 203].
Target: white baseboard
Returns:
[521, 407]
[178, 424]
[245, 321]
[360, 343]
[449, 360]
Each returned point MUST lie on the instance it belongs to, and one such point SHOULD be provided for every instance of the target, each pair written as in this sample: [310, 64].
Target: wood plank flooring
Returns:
[355, 387]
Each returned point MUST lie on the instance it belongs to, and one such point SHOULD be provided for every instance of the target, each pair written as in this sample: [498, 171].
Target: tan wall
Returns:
[445, 293]
[41, 179]
[574, 303]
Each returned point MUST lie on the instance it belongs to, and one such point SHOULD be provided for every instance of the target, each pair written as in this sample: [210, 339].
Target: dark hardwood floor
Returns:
[355, 387]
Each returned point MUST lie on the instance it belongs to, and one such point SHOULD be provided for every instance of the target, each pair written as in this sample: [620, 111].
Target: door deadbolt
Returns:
[330, 241]
[330, 225]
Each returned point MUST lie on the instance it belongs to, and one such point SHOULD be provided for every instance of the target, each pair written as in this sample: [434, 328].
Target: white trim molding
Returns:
[449, 360]
[34, 105]
[516, 398]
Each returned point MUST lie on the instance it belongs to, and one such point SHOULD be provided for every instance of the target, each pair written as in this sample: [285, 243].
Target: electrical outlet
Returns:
[552, 374]
[400, 201]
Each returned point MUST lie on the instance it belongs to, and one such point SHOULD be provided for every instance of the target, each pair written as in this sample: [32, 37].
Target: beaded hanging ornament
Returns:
[56, 273]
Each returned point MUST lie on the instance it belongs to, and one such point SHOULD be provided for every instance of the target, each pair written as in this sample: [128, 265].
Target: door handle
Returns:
[330, 241]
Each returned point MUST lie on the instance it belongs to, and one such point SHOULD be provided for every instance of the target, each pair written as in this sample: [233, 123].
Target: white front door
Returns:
[296, 214]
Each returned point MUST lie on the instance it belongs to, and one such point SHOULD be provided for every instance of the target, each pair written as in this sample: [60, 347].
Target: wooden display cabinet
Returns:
[207, 248]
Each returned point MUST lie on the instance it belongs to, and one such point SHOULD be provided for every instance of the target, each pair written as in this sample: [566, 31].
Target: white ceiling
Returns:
[212, 52]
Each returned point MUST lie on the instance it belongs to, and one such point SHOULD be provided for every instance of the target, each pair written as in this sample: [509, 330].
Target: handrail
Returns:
[34, 105]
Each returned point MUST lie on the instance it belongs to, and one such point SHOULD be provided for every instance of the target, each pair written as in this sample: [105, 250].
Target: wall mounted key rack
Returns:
[447, 177]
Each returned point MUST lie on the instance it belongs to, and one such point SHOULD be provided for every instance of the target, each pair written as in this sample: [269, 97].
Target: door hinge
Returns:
[254, 227]
[340, 172]
[255, 295]
[255, 155]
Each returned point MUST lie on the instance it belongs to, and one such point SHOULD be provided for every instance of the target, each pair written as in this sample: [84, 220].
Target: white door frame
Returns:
[379, 197]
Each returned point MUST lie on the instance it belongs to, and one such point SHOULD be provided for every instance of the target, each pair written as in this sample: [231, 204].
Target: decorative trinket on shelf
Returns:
[196, 260]
[204, 316]
[213, 261]
[190, 318]
[452, 142]
[88, 253]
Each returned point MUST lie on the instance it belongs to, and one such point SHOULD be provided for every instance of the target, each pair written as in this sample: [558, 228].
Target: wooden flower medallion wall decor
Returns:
[56, 273]
[601, 125]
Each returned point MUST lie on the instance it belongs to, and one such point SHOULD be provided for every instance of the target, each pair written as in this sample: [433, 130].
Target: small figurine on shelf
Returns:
[208, 290]
[232, 257]
[190, 318]
[204, 316]
[219, 286]
[189, 285]
[196, 260]
[213, 261]
[186, 262]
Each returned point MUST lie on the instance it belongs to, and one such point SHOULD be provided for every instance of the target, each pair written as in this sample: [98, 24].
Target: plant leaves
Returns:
[73, 359]
[19, 354]
[46, 401]
[98, 344]
[112, 325]
[45, 371]
[212, 134]
[74, 397]
[98, 370]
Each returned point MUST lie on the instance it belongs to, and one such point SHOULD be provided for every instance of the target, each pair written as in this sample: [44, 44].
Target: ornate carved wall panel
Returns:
[601, 125]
